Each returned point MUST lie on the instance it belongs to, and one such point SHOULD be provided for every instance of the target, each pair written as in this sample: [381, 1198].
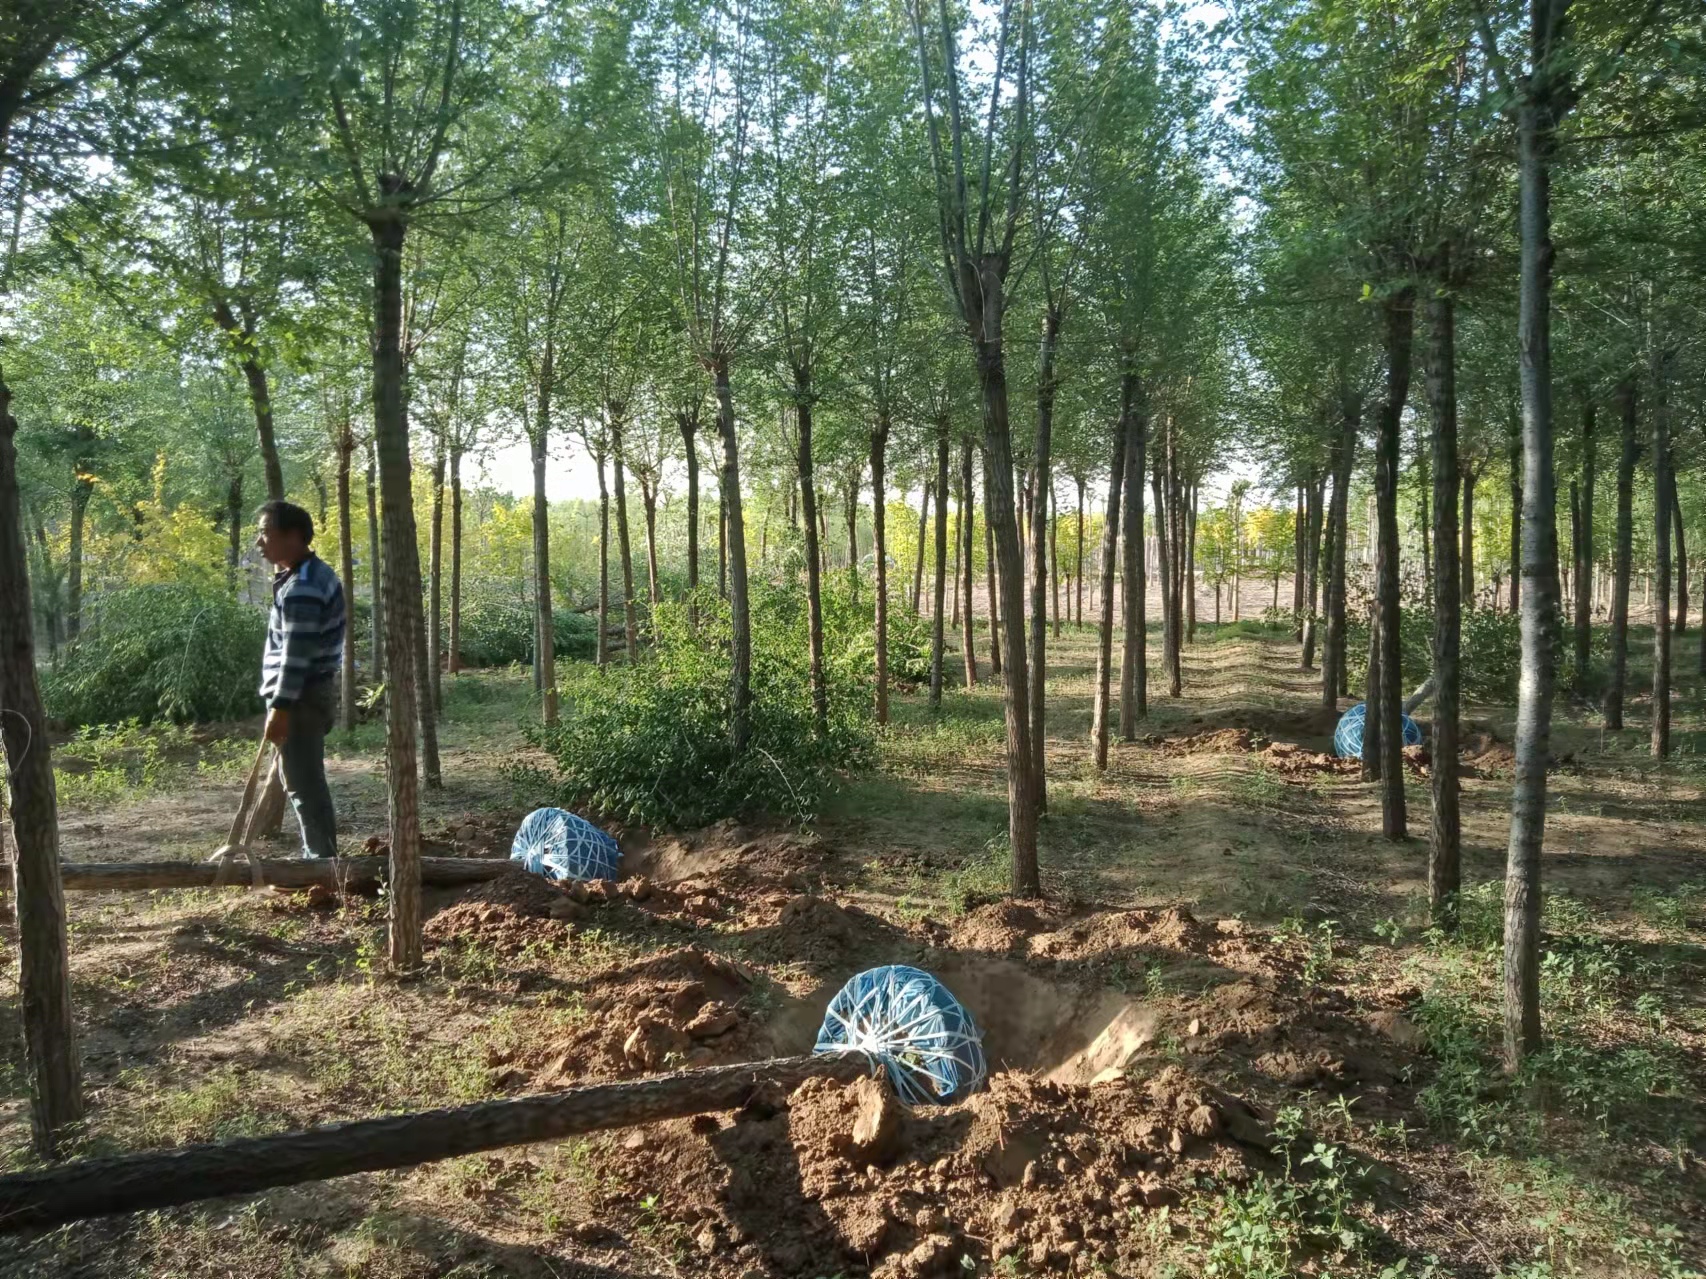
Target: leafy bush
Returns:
[151, 652]
[1490, 656]
[651, 743]
[497, 629]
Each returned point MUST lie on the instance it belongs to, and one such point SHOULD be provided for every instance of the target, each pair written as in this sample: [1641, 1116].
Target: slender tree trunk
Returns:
[959, 539]
[1664, 505]
[377, 573]
[82, 489]
[1445, 837]
[346, 566]
[722, 537]
[852, 510]
[968, 621]
[1117, 468]
[1335, 666]
[1041, 522]
[1466, 560]
[1516, 470]
[1134, 656]
[1190, 572]
[242, 336]
[624, 544]
[1023, 791]
[939, 582]
[1314, 495]
[1163, 549]
[1537, 118]
[923, 536]
[814, 553]
[1078, 564]
[688, 423]
[1299, 534]
[740, 650]
[1400, 324]
[454, 657]
[234, 521]
[545, 628]
[880, 553]
[402, 581]
[602, 650]
[53, 1071]
[1373, 730]
[1680, 577]
[1623, 553]
[435, 573]
[1584, 549]
[649, 509]
[990, 580]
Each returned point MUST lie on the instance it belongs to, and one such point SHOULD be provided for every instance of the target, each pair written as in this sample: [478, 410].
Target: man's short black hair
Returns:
[287, 517]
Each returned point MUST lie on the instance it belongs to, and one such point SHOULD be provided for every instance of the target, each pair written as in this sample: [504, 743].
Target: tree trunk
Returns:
[1102, 697]
[959, 541]
[1584, 550]
[740, 615]
[82, 489]
[1078, 564]
[1623, 553]
[814, 551]
[1466, 560]
[1400, 324]
[234, 519]
[52, 1068]
[880, 554]
[688, 423]
[1680, 577]
[1314, 495]
[1373, 759]
[1041, 521]
[454, 655]
[968, 620]
[1022, 790]
[722, 536]
[852, 509]
[435, 573]
[1335, 666]
[939, 582]
[374, 554]
[1516, 468]
[544, 621]
[918, 565]
[989, 578]
[402, 580]
[1664, 506]
[601, 650]
[1054, 562]
[346, 564]
[1535, 140]
[649, 509]
[1163, 547]
[1445, 838]
[618, 465]
[1189, 585]
[1134, 654]
[242, 336]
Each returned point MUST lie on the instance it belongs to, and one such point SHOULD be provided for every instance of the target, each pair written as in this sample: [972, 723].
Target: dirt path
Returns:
[1223, 921]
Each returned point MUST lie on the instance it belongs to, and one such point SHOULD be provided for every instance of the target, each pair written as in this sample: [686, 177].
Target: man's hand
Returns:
[278, 725]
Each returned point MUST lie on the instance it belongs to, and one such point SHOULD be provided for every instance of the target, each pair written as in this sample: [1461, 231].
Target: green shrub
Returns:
[160, 652]
[651, 743]
[497, 629]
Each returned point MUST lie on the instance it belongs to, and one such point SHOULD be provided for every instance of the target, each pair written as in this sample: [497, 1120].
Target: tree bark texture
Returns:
[453, 658]
[968, 619]
[740, 613]
[435, 575]
[346, 566]
[1535, 141]
[1102, 703]
[53, 1072]
[989, 574]
[814, 555]
[1400, 326]
[1664, 504]
[1623, 553]
[687, 421]
[1584, 551]
[375, 557]
[402, 578]
[1041, 521]
[939, 580]
[1134, 649]
[616, 414]
[1445, 836]
[602, 649]
[880, 553]
[923, 538]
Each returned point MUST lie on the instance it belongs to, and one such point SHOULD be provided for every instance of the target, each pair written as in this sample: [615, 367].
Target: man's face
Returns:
[278, 546]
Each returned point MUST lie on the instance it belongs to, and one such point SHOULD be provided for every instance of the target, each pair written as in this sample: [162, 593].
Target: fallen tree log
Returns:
[351, 874]
[133, 1183]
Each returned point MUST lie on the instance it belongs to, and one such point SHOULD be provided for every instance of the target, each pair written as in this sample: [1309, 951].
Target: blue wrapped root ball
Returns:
[1347, 737]
[906, 1020]
[559, 845]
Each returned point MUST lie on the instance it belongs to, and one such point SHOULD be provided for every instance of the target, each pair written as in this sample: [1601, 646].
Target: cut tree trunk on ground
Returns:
[133, 1183]
[352, 874]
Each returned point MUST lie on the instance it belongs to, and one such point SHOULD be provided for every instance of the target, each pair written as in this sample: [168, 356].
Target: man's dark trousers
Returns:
[304, 758]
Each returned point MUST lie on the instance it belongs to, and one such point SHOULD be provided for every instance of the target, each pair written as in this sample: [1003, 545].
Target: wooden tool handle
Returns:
[242, 818]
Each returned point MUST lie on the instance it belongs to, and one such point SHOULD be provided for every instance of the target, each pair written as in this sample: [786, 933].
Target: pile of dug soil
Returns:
[1288, 759]
[839, 1175]
[1223, 741]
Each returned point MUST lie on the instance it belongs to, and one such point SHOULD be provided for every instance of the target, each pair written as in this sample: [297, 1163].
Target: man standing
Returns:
[305, 642]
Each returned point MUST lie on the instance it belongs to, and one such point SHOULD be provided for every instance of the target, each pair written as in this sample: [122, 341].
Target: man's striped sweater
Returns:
[305, 631]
